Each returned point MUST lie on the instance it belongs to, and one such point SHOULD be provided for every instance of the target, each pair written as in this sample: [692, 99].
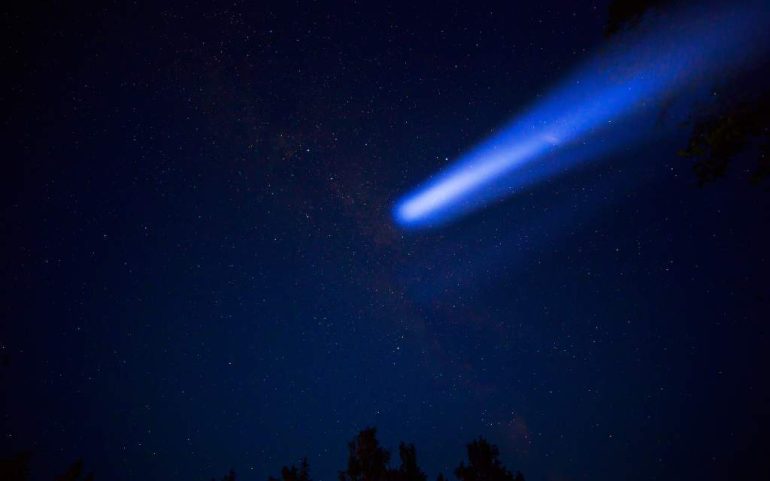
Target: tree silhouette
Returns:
[293, 473]
[367, 461]
[741, 119]
[718, 137]
[409, 470]
[484, 465]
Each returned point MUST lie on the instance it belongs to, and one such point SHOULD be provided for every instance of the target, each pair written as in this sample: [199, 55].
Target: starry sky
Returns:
[200, 269]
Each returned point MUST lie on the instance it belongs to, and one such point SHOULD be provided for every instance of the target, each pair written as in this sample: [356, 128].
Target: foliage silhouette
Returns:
[293, 473]
[409, 470]
[717, 138]
[738, 122]
[367, 460]
[484, 465]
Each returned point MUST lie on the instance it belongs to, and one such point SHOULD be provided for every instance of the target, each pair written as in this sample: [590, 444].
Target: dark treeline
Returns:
[367, 461]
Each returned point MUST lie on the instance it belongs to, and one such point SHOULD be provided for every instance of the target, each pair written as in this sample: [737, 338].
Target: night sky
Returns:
[200, 269]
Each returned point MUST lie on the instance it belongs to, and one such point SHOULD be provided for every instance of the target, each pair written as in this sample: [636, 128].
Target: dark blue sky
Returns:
[200, 270]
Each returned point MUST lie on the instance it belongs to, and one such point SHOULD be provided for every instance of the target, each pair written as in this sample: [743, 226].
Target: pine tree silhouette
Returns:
[367, 461]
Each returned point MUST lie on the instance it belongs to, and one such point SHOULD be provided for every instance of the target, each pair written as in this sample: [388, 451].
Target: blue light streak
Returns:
[620, 85]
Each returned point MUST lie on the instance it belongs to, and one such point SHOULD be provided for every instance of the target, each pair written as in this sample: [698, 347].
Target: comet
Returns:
[613, 96]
